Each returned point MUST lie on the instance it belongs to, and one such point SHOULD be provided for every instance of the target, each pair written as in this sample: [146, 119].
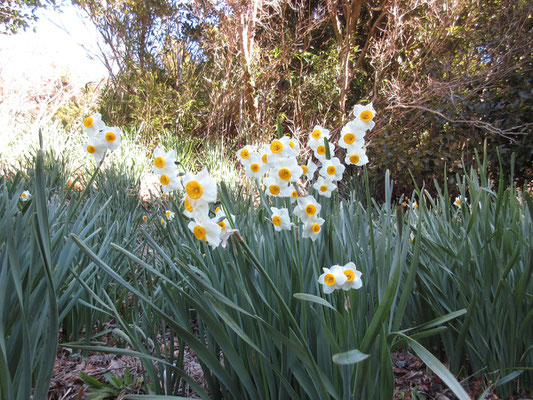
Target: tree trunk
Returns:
[345, 37]
[246, 12]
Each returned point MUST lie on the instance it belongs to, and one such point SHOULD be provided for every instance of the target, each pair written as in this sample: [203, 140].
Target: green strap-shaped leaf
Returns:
[349, 357]
[313, 299]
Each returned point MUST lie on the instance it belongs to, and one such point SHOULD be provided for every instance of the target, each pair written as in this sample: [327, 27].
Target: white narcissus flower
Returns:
[163, 222]
[169, 214]
[254, 167]
[332, 169]
[457, 202]
[332, 278]
[287, 191]
[200, 186]
[294, 148]
[279, 148]
[309, 169]
[280, 218]
[112, 136]
[206, 229]
[195, 206]
[307, 208]
[320, 151]
[96, 146]
[286, 169]
[275, 187]
[293, 194]
[324, 186]
[93, 124]
[244, 154]
[25, 195]
[318, 135]
[312, 227]
[356, 156]
[353, 277]
[220, 219]
[263, 152]
[169, 183]
[164, 161]
[351, 136]
[363, 116]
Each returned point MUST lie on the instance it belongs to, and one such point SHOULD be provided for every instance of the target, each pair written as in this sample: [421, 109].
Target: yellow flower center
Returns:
[264, 159]
[350, 275]
[294, 194]
[222, 224]
[310, 209]
[276, 146]
[323, 188]
[164, 179]
[349, 138]
[199, 232]
[331, 170]
[162, 222]
[315, 228]
[91, 149]
[217, 210]
[276, 220]
[415, 205]
[254, 167]
[88, 122]
[354, 158]
[321, 150]
[304, 169]
[145, 218]
[110, 137]
[245, 153]
[23, 195]
[274, 189]
[194, 190]
[291, 143]
[329, 279]
[168, 213]
[316, 134]
[284, 174]
[159, 162]
[366, 115]
[164, 195]
[187, 204]
[458, 202]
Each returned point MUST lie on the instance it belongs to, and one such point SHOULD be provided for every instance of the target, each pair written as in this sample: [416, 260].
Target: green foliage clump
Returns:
[479, 256]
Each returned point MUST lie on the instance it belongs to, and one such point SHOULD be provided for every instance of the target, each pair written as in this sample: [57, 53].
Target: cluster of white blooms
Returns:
[100, 136]
[337, 277]
[201, 192]
[276, 163]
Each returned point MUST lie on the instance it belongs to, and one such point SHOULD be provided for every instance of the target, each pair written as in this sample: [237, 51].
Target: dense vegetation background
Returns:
[444, 75]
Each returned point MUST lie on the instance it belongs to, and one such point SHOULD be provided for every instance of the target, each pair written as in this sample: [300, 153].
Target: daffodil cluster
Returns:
[352, 136]
[276, 163]
[101, 137]
[337, 277]
[200, 192]
[166, 169]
